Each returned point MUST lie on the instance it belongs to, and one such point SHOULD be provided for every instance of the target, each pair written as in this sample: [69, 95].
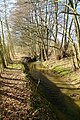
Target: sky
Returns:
[10, 5]
[78, 8]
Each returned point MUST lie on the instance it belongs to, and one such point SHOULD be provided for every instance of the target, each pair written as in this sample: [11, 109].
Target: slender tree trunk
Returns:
[56, 20]
[66, 18]
[3, 49]
[77, 31]
[10, 44]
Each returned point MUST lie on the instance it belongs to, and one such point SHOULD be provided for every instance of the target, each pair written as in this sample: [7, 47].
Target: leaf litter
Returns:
[14, 95]
[18, 99]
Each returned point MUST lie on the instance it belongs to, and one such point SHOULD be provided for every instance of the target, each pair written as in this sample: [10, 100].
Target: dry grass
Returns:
[65, 69]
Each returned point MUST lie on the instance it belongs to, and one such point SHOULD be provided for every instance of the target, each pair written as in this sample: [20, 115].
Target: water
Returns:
[56, 91]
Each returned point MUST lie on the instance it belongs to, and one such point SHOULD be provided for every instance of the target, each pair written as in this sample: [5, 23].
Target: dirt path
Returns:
[14, 95]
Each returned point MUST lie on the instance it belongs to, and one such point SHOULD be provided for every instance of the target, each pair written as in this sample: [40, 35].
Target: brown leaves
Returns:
[14, 103]
[18, 99]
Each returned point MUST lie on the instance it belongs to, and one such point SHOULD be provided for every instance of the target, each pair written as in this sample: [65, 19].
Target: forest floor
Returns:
[14, 95]
[64, 70]
[18, 98]
[60, 84]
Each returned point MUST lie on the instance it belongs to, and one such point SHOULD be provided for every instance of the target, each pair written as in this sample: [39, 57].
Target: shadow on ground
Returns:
[14, 94]
[53, 94]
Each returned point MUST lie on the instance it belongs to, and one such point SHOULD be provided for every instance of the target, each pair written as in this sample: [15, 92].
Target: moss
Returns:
[38, 101]
[62, 70]
[16, 66]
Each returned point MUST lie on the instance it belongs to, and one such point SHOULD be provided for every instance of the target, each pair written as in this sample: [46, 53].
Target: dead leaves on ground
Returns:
[14, 96]
[17, 98]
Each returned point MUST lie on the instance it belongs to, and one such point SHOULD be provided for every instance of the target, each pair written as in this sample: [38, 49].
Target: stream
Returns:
[56, 91]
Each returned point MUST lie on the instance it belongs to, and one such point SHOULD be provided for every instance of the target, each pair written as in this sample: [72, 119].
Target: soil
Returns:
[19, 99]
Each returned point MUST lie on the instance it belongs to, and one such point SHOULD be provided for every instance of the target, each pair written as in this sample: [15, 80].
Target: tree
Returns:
[46, 25]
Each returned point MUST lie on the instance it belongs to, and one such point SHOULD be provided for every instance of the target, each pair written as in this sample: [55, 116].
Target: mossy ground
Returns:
[55, 79]
[36, 106]
[64, 70]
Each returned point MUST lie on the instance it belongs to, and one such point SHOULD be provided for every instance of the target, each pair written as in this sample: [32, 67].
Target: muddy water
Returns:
[56, 91]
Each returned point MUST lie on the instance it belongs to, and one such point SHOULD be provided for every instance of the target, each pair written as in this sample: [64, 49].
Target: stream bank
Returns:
[19, 99]
[41, 109]
[56, 91]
